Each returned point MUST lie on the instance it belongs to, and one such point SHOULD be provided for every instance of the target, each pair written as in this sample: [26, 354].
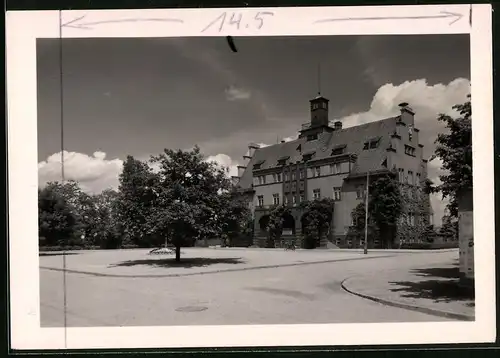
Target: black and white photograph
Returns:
[220, 180]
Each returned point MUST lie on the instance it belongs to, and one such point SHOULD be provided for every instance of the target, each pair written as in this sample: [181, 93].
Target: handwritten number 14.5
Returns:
[235, 19]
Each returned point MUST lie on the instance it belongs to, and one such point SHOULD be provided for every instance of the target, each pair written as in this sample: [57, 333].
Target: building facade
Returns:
[327, 160]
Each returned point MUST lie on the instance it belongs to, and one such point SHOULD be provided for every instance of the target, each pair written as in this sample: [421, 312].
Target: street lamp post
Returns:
[366, 212]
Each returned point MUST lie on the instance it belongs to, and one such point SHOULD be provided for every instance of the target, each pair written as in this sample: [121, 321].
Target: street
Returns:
[305, 292]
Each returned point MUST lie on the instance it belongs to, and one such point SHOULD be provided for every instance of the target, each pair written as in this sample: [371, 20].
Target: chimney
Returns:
[407, 113]
[405, 107]
[337, 125]
[252, 147]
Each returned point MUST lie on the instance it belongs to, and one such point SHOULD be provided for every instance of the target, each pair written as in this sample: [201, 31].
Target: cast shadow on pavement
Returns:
[443, 288]
[186, 262]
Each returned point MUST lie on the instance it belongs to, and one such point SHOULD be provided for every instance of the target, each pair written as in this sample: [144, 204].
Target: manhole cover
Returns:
[191, 309]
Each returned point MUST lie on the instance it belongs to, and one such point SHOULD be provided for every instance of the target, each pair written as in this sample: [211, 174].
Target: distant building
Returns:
[327, 160]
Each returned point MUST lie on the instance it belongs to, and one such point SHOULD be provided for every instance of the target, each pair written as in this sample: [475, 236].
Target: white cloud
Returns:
[286, 139]
[94, 173]
[427, 101]
[237, 94]
[225, 161]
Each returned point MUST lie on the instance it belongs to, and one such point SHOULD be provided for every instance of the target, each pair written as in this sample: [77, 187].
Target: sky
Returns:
[137, 96]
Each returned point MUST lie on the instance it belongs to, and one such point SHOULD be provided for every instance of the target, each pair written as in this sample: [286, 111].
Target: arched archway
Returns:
[288, 224]
[263, 224]
[309, 242]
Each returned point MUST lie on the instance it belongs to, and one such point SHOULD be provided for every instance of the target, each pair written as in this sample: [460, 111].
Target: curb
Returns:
[426, 310]
[209, 272]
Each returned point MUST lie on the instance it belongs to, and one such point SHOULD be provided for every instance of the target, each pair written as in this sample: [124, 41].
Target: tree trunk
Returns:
[177, 253]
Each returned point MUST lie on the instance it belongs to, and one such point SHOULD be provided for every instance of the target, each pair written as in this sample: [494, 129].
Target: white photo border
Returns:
[23, 29]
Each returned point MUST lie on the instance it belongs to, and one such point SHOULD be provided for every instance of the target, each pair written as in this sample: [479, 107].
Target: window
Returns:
[260, 198]
[337, 194]
[282, 160]
[409, 150]
[316, 194]
[417, 182]
[308, 155]
[301, 197]
[285, 176]
[294, 198]
[401, 175]
[293, 175]
[410, 177]
[260, 180]
[278, 177]
[301, 174]
[371, 144]
[258, 164]
[374, 143]
[360, 192]
[338, 150]
[411, 219]
[285, 200]
[276, 199]
[312, 137]
[315, 172]
[335, 168]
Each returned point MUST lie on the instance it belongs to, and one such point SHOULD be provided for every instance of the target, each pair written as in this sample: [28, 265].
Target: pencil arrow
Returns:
[78, 24]
[443, 15]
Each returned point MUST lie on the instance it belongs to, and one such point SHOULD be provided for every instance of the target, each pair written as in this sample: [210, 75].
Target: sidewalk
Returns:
[432, 290]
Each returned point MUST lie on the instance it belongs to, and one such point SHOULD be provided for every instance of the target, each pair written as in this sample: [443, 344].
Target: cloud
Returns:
[225, 161]
[427, 101]
[237, 94]
[94, 173]
[286, 139]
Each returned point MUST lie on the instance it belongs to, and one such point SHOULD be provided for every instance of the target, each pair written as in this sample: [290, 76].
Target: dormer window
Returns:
[374, 143]
[371, 144]
[338, 150]
[258, 165]
[307, 156]
[282, 160]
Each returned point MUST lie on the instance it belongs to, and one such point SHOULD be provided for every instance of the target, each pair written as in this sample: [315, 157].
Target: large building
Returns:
[327, 160]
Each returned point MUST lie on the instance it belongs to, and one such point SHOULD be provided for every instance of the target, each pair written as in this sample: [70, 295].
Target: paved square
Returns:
[220, 286]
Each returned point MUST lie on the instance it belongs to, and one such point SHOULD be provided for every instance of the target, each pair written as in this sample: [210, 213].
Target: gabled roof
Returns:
[353, 138]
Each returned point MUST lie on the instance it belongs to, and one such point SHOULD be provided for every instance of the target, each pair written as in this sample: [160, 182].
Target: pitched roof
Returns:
[353, 138]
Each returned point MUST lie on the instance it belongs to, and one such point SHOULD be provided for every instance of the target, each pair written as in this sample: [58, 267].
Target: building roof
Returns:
[353, 138]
